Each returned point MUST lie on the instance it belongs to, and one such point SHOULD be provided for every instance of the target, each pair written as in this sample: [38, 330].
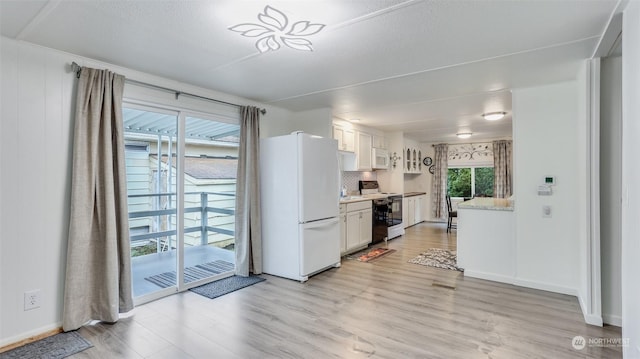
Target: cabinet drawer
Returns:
[343, 208]
[358, 206]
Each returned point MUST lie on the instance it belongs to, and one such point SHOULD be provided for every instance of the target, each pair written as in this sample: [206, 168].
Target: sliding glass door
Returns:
[209, 165]
[181, 173]
[152, 197]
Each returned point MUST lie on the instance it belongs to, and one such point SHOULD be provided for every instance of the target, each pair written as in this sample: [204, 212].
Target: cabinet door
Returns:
[414, 163]
[345, 138]
[366, 227]
[407, 160]
[411, 210]
[379, 142]
[338, 135]
[353, 229]
[343, 233]
[405, 212]
[364, 152]
[417, 209]
[348, 139]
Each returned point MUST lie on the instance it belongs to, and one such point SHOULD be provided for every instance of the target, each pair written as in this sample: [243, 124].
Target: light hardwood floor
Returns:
[388, 308]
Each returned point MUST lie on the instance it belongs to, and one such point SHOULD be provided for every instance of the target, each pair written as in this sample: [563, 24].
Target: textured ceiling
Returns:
[429, 68]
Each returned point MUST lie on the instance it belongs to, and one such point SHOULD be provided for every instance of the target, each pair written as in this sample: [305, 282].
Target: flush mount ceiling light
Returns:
[464, 135]
[274, 31]
[493, 116]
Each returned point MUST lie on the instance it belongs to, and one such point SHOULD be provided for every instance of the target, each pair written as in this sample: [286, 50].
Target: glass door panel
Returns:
[209, 167]
[150, 155]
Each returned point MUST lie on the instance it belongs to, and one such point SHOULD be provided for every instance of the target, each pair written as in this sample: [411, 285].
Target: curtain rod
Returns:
[78, 69]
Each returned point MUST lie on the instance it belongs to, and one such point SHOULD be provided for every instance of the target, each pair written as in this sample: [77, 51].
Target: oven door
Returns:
[395, 211]
[380, 220]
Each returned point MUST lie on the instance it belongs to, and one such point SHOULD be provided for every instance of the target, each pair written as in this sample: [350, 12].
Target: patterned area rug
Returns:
[226, 286]
[168, 279]
[439, 258]
[54, 347]
[369, 255]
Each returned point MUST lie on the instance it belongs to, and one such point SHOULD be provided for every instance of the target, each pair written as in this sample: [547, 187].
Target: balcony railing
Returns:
[204, 209]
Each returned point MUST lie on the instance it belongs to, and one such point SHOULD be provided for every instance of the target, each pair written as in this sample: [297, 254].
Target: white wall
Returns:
[546, 143]
[316, 122]
[36, 132]
[611, 187]
[392, 180]
[35, 159]
[631, 178]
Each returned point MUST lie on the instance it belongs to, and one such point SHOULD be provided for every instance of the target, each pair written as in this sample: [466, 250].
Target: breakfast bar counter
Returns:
[486, 238]
[494, 204]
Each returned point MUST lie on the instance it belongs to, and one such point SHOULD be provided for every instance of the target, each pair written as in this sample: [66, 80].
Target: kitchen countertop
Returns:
[488, 203]
[411, 194]
[359, 198]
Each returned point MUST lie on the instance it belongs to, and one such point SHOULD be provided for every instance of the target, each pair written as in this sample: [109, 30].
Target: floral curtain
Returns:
[503, 168]
[439, 183]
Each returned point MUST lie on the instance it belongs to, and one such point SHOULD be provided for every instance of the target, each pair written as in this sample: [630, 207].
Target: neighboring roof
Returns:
[208, 167]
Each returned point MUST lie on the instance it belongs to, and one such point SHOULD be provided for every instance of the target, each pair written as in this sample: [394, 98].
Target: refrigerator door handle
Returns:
[321, 223]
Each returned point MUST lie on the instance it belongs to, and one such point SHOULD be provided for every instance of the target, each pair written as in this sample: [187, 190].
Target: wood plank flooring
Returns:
[387, 308]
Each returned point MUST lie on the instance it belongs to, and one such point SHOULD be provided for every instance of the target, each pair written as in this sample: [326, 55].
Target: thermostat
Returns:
[550, 180]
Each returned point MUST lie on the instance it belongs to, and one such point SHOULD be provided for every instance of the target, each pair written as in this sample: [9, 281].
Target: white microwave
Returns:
[380, 158]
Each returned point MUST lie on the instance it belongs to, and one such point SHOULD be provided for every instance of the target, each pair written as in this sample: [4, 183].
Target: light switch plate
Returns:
[546, 211]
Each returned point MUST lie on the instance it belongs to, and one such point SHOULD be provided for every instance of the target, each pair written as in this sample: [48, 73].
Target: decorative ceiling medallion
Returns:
[275, 31]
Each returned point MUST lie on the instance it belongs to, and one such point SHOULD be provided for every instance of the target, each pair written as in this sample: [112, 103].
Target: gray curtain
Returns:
[248, 246]
[98, 275]
[502, 168]
[439, 182]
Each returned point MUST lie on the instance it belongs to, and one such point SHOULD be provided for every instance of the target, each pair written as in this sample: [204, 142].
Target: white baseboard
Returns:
[612, 319]
[521, 282]
[488, 276]
[545, 286]
[29, 334]
[592, 319]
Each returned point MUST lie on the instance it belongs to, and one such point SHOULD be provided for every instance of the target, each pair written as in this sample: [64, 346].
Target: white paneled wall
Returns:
[35, 149]
[36, 132]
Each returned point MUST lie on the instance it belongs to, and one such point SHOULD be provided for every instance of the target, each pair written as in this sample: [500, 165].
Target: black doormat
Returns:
[191, 274]
[54, 347]
[226, 286]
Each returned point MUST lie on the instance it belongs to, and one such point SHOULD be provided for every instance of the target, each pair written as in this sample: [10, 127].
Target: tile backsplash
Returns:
[350, 179]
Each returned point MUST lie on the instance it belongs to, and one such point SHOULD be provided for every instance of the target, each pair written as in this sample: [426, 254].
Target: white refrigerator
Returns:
[299, 187]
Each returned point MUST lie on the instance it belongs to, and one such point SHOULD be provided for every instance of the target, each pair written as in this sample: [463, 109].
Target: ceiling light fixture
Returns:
[274, 31]
[464, 135]
[355, 120]
[493, 116]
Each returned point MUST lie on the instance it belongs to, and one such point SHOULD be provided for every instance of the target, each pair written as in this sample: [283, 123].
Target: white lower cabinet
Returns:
[357, 226]
[343, 228]
[413, 209]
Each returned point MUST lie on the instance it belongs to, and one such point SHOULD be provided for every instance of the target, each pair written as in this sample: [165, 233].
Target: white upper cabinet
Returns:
[364, 152]
[345, 138]
[379, 142]
[412, 157]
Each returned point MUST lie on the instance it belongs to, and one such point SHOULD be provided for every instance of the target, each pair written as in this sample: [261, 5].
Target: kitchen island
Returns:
[486, 239]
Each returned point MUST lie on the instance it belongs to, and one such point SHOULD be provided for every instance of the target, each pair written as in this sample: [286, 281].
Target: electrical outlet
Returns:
[546, 211]
[32, 299]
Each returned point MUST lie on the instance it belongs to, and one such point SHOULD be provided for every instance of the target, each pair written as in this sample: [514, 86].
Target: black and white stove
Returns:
[387, 211]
